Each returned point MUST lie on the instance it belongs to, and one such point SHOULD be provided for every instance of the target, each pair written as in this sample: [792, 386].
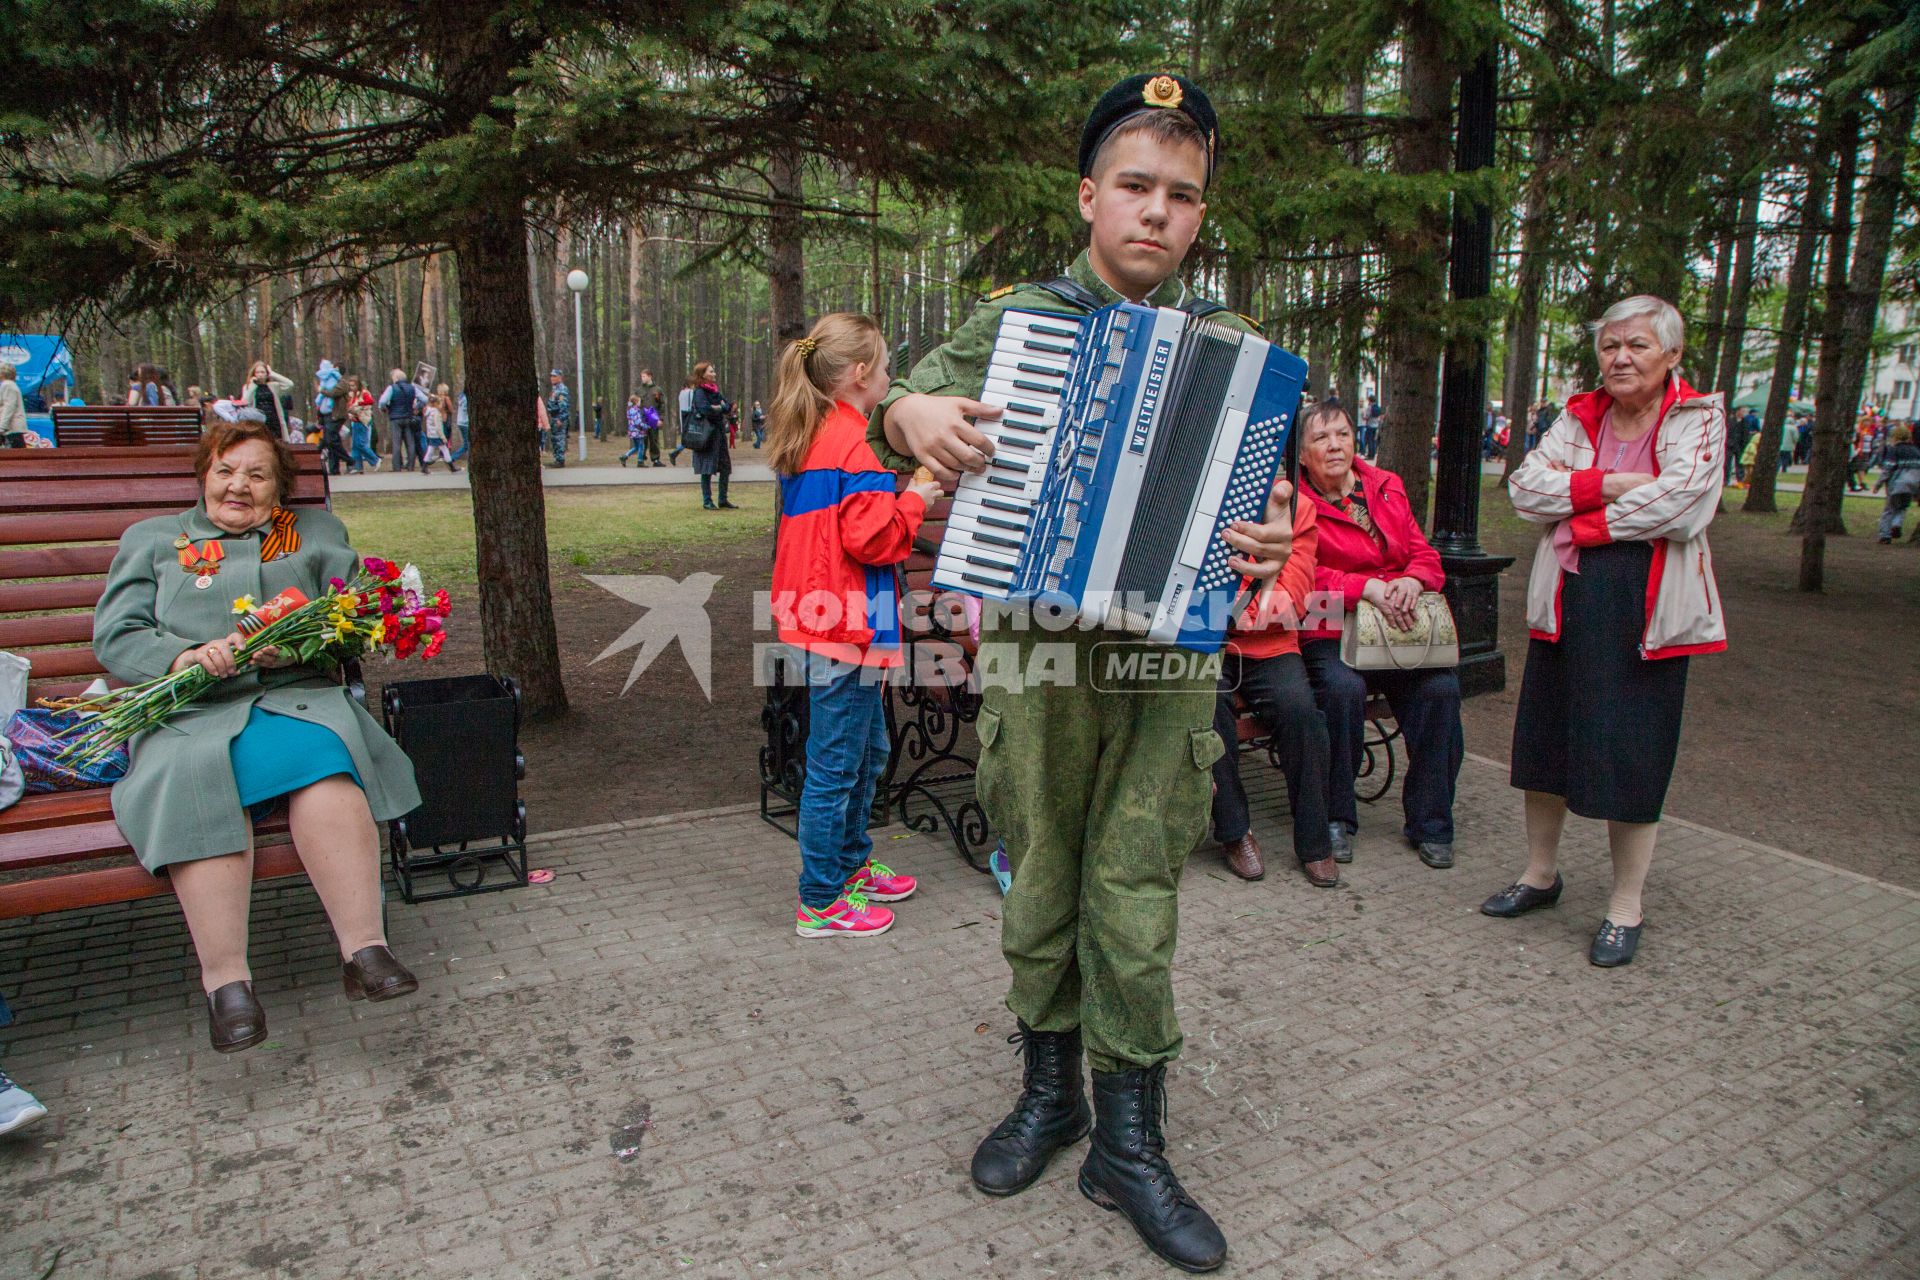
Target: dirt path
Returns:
[662, 748]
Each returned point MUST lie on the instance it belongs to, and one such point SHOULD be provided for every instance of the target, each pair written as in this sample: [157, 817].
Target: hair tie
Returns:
[806, 347]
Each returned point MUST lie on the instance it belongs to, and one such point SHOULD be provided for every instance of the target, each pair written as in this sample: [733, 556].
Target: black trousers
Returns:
[1427, 706]
[1279, 694]
[652, 439]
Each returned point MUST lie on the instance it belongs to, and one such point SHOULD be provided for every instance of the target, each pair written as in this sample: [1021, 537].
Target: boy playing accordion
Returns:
[1099, 792]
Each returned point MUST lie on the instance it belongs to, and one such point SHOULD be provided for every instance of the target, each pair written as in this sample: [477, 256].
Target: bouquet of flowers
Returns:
[384, 607]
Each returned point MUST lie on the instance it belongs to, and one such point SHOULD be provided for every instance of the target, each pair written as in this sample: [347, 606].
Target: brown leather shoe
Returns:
[1243, 857]
[1322, 873]
[374, 974]
[235, 1020]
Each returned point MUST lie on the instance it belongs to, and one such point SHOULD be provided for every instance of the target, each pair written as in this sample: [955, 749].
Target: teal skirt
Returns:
[276, 755]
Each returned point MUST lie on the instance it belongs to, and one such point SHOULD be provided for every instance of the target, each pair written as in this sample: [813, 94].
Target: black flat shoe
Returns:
[728, 506]
[1342, 842]
[1517, 899]
[1436, 855]
[235, 1020]
[1615, 944]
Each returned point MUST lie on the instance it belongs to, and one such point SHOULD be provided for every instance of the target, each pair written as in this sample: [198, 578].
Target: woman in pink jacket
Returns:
[1621, 594]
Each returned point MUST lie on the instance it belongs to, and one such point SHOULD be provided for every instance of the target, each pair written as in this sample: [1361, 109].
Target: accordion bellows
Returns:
[1131, 438]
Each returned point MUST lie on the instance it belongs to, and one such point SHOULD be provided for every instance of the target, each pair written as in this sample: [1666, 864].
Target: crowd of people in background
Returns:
[409, 426]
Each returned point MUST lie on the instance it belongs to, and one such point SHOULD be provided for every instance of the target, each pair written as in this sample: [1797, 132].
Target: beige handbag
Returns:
[1370, 643]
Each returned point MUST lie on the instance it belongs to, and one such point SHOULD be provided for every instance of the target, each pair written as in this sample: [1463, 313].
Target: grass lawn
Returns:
[661, 527]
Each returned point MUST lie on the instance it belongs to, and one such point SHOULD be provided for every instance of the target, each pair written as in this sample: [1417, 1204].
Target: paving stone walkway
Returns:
[638, 1071]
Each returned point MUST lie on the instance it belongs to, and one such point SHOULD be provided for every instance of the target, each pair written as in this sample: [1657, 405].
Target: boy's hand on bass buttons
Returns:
[1264, 547]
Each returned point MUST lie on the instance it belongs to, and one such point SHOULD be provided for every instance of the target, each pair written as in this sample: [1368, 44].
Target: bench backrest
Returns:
[82, 425]
[62, 512]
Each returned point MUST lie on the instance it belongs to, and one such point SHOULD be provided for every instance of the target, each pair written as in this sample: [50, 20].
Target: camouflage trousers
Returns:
[1098, 780]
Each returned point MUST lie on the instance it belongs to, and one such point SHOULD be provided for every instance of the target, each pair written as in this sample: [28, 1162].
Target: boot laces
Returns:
[1041, 1058]
[1161, 1177]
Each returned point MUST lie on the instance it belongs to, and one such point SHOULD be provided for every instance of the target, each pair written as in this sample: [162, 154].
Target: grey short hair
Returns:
[1668, 327]
[249, 415]
[7, 370]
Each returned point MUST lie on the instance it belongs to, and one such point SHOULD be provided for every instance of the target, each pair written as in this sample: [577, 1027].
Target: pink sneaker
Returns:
[847, 916]
[882, 883]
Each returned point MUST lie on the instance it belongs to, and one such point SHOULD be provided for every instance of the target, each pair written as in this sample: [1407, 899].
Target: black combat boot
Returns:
[1051, 1114]
[1127, 1170]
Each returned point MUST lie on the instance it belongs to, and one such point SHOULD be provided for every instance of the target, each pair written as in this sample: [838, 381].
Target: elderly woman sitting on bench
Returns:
[259, 737]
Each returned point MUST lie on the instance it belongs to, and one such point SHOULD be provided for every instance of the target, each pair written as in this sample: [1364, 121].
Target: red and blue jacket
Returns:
[843, 533]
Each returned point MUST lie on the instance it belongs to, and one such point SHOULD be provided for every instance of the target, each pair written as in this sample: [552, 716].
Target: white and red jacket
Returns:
[1673, 512]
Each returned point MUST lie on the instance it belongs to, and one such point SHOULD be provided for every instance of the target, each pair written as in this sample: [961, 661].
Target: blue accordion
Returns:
[1130, 438]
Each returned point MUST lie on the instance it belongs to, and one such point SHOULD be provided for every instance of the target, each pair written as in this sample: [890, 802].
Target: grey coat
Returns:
[179, 800]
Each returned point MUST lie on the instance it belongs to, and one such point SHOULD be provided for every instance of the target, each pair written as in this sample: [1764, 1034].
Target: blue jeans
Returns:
[1426, 704]
[846, 753]
[363, 445]
[466, 438]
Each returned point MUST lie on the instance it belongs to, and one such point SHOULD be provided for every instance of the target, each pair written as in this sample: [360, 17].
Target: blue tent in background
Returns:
[39, 358]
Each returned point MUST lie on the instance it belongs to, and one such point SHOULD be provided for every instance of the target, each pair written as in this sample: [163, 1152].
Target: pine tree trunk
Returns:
[1739, 289]
[1826, 393]
[1352, 307]
[509, 506]
[786, 244]
[1764, 472]
[186, 370]
[370, 373]
[1411, 318]
[1827, 469]
[1523, 330]
[1714, 330]
[876, 283]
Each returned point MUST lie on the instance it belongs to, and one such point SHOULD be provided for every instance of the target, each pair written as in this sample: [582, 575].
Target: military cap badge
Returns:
[1162, 91]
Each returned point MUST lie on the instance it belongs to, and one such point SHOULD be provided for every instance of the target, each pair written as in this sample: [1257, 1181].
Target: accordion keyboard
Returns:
[993, 511]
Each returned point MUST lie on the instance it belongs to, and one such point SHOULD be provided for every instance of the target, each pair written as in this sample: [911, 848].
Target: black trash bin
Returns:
[462, 734]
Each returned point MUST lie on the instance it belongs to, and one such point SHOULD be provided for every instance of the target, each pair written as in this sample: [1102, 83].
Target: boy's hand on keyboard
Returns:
[1264, 547]
[935, 430]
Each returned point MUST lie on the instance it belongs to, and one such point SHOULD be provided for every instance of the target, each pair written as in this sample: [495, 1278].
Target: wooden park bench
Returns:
[61, 514]
[124, 425]
[928, 784]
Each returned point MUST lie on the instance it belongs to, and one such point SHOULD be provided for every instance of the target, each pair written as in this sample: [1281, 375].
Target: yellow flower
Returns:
[347, 600]
[243, 606]
[379, 633]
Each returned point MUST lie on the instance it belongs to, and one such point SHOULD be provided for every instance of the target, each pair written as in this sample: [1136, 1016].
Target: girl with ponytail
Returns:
[836, 599]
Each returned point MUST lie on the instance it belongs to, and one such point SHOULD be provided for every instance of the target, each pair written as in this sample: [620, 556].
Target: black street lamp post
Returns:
[1473, 576]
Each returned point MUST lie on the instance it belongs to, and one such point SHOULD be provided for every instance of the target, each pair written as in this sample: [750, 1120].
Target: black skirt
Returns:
[1597, 723]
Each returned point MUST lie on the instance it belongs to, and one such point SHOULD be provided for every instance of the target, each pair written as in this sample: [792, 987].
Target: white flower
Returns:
[411, 584]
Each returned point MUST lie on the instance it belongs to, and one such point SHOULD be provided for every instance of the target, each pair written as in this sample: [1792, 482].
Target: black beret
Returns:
[1140, 95]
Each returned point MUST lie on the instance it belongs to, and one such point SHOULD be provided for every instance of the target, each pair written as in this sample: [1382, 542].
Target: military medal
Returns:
[202, 563]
